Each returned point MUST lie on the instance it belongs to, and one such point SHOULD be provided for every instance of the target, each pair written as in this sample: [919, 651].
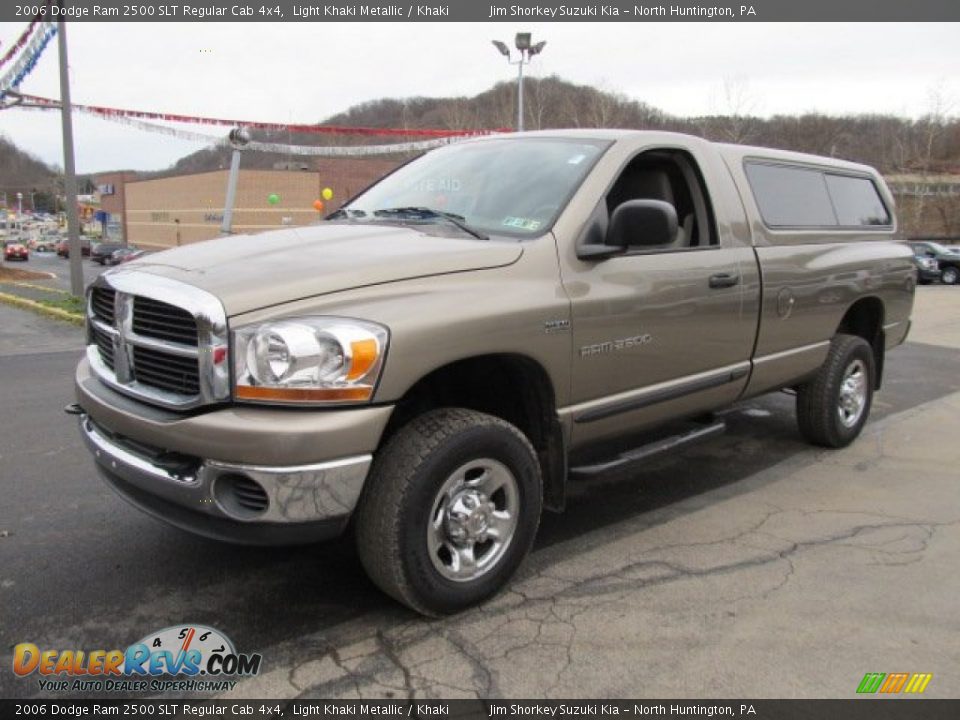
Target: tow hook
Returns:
[73, 409]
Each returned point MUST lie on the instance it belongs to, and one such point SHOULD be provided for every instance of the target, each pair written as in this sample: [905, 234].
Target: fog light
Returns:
[240, 496]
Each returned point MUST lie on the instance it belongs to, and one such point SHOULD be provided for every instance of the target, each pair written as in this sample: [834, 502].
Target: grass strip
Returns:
[57, 309]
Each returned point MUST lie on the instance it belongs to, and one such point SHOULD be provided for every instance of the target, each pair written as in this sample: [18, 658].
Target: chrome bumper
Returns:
[220, 492]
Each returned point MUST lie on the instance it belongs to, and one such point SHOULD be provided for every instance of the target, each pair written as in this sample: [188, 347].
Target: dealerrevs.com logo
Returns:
[203, 658]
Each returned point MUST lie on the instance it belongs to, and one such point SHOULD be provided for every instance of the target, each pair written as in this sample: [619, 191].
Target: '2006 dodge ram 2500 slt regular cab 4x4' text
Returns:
[431, 364]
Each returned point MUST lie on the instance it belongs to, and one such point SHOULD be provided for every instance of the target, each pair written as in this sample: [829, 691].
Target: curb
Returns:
[40, 308]
[31, 286]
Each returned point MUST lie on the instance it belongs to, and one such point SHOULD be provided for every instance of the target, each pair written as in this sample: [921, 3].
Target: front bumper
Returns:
[928, 275]
[257, 505]
[250, 475]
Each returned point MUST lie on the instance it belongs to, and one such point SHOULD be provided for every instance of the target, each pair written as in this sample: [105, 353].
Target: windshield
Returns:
[504, 187]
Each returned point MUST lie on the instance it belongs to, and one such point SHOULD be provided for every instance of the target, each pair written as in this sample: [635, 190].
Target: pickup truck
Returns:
[430, 366]
[947, 259]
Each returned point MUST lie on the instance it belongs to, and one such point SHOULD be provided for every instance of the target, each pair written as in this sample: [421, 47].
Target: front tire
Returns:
[449, 511]
[950, 275]
[833, 407]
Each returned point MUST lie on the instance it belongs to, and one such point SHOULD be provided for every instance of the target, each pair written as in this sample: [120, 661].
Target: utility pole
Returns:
[70, 171]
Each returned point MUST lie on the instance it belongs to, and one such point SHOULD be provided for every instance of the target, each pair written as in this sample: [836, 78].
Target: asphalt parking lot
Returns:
[750, 566]
[60, 267]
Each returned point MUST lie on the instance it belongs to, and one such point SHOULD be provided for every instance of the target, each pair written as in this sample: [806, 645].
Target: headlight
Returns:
[308, 360]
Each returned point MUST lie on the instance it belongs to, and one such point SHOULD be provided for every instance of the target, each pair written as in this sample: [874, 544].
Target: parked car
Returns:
[47, 244]
[15, 250]
[430, 368]
[928, 269]
[102, 252]
[947, 259]
[63, 249]
[124, 254]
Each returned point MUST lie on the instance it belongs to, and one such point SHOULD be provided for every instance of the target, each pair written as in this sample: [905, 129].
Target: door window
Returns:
[671, 176]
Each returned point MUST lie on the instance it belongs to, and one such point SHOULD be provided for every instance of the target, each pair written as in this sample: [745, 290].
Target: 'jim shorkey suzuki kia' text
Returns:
[428, 368]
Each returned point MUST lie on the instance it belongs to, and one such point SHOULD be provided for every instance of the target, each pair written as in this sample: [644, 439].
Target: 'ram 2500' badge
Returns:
[616, 345]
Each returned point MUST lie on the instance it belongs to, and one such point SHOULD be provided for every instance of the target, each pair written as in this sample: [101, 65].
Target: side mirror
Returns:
[645, 223]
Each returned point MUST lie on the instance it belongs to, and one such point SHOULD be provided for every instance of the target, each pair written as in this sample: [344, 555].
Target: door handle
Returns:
[724, 280]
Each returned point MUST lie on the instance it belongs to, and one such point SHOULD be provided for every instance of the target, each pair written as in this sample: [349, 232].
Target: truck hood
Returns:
[249, 272]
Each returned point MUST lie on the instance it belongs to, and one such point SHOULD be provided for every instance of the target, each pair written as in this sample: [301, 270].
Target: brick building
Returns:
[177, 210]
[110, 192]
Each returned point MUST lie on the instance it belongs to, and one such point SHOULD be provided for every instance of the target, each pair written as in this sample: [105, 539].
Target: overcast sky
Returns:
[305, 72]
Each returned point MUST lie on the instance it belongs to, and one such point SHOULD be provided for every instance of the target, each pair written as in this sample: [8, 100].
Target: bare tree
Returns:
[736, 124]
[543, 94]
[932, 129]
[456, 113]
[605, 106]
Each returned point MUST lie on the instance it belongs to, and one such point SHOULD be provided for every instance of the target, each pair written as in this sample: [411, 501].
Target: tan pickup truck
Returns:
[429, 367]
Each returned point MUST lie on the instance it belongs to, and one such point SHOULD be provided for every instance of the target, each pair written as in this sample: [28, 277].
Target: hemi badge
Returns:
[556, 326]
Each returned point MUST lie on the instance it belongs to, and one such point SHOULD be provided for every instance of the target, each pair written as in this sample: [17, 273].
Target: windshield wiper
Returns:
[345, 213]
[425, 213]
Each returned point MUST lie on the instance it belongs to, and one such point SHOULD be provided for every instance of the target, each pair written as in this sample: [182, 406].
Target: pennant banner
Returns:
[21, 41]
[109, 112]
[28, 59]
[300, 150]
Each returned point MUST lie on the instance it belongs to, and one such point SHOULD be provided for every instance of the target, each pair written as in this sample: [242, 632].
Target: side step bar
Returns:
[696, 434]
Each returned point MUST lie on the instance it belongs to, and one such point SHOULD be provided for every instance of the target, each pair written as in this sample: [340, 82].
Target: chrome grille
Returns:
[152, 318]
[104, 345]
[158, 339]
[165, 371]
[101, 304]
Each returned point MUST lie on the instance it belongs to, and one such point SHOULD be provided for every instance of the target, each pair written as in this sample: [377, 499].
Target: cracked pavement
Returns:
[752, 565]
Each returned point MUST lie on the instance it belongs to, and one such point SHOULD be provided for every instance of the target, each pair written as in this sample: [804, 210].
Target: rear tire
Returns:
[450, 510]
[833, 407]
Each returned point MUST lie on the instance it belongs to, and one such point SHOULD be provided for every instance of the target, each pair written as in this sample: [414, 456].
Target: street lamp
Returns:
[527, 50]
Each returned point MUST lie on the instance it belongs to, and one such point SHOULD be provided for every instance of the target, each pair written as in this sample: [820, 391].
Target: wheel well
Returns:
[865, 319]
[511, 387]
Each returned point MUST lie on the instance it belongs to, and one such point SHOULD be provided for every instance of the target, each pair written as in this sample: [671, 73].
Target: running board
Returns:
[625, 460]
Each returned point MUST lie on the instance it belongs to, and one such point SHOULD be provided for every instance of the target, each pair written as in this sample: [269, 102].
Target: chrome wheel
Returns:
[853, 393]
[473, 520]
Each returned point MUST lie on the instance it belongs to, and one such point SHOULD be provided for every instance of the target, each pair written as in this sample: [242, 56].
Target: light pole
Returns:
[20, 206]
[239, 137]
[69, 167]
[526, 51]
